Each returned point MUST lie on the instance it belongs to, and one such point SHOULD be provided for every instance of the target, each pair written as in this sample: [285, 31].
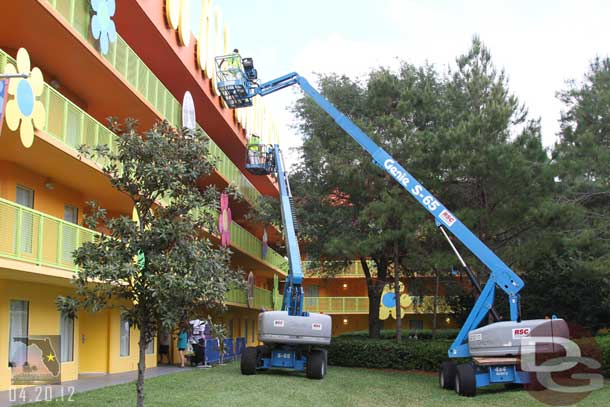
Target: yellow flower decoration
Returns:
[387, 307]
[24, 108]
[178, 13]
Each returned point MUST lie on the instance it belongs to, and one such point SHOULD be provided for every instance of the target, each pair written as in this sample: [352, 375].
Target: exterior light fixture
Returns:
[344, 285]
[345, 321]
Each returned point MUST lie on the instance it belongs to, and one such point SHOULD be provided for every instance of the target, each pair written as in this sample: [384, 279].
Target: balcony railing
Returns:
[360, 305]
[31, 236]
[70, 124]
[354, 269]
[262, 298]
[141, 78]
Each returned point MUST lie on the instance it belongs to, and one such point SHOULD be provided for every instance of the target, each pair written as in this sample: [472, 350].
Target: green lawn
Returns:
[225, 386]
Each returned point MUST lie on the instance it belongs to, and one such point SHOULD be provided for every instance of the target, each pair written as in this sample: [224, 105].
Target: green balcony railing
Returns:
[68, 123]
[140, 77]
[360, 305]
[262, 297]
[354, 269]
[34, 237]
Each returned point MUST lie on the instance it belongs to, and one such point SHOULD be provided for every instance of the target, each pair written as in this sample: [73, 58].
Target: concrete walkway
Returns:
[85, 382]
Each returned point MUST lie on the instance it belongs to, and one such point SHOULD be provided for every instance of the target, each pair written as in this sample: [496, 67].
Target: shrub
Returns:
[360, 351]
[380, 353]
[604, 344]
[406, 333]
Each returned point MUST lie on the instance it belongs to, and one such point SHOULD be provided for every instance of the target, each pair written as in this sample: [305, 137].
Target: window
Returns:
[253, 333]
[17, 350]
[150, 347]
[246, 329]
[25, 197]
[125, 339]
[66, 330]
[69, 233]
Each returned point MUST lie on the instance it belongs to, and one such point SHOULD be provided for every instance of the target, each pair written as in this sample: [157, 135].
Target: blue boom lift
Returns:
[290, 336]
[494, 349]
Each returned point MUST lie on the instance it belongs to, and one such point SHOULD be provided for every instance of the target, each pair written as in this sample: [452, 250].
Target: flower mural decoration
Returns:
[224, 221]
[265, 247]
[102, 26]
[25, 112]
[178, 14]
[387, 307]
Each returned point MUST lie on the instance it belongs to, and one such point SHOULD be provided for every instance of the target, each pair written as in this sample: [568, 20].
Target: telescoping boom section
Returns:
[494, 346]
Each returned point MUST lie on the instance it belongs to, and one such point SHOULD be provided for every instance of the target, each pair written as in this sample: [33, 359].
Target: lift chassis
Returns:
[493, 349]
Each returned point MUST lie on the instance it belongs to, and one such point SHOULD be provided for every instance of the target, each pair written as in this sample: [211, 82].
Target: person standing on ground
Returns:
[164, 342]
[183, 337]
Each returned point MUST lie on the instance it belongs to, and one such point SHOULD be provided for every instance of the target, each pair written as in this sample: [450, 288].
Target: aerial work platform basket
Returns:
[233, 81]
[259, 159]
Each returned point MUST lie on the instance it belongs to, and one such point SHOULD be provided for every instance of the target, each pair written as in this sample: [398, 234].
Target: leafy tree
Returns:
[161, 268]
[464, 136]
[341, 195]
[570, 264]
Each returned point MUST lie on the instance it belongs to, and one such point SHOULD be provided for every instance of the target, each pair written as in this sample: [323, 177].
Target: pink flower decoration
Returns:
[224, 221]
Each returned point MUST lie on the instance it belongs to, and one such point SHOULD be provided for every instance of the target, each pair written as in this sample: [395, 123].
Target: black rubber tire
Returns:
[446, 375]
[465, 380]
[316, 365]
[249, 361]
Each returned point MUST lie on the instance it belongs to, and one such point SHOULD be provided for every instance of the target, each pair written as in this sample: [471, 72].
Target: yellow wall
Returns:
[43, 320]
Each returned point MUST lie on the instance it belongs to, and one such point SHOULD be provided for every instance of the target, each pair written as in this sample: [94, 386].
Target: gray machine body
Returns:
[506, 337]
[279, 327]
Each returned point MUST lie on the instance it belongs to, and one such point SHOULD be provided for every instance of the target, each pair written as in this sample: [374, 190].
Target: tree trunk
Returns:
[397, 294]
[374, 321]
[141, 369]
[435, 315]
[374, 290]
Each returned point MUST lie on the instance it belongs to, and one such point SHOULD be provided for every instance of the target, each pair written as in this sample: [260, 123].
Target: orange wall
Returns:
[334, 287]
[47, 201]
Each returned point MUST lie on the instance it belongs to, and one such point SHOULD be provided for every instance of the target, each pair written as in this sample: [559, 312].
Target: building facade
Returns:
[88, 60]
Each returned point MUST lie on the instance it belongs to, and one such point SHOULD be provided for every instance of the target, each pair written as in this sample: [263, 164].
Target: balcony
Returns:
[70, 125]
[353, 270]
[127, 63]
[262, 298]
[360, 305]
[33, 237]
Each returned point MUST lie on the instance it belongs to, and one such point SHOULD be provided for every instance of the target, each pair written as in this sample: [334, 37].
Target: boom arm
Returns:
[293, 290]
[501, 275]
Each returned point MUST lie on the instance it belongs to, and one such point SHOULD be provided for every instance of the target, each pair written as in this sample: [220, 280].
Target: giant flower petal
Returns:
[26, 132]
[12, 115]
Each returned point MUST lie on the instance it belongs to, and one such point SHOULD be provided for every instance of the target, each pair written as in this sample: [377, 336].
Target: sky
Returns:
[540, 44]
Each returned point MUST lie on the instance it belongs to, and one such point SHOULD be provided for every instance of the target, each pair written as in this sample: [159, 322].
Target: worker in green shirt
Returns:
[233, 62]
[254, 149]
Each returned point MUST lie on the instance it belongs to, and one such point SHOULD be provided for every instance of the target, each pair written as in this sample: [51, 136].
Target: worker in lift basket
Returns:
[234, 64]
[254, 149]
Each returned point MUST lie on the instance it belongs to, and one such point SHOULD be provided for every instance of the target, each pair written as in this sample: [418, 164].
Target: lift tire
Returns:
[446, 375]
[248, 361]
[465, 380]
[316, 365]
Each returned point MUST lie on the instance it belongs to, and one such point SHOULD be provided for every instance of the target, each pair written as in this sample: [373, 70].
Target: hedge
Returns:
[385, 354]
[410, 354]
[604, 344]
[406, 333]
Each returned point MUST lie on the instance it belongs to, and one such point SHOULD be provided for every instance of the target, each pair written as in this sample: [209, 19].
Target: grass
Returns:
[225, 386]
